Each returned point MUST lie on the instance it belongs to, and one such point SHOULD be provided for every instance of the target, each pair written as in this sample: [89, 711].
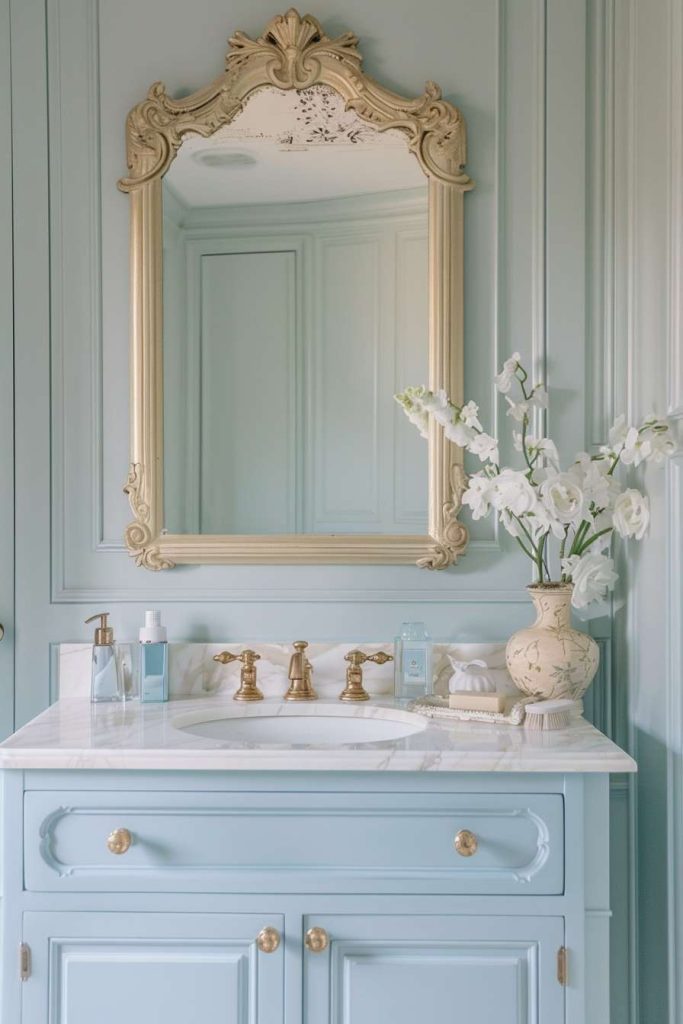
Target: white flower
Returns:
[539, 397]
[631, 452]
[484, 446]
[631, 514]
[542, 448]
[513, 492]
[506, 376]
[469, 415]
[592, 575]
[604, 520]
[618, 432]
[459, 433]
[656, 444]
[411, 402]
[478, 495]
[563, 499]
[599, 487]
[518, 410]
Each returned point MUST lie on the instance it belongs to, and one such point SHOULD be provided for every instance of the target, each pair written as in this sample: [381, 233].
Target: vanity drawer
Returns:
[478, 843]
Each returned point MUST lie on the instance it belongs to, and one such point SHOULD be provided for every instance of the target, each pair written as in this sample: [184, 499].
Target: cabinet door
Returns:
[437, 968]
[104, 968]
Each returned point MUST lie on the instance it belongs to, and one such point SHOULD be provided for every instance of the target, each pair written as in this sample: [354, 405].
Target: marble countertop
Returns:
[76, 734]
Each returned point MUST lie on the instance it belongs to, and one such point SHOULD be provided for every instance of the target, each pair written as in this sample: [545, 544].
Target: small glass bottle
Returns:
[413, 662]
[106, 684]
[153, 660]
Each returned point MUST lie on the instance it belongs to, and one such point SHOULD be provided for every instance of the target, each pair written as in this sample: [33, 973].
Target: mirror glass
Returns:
[295, 306]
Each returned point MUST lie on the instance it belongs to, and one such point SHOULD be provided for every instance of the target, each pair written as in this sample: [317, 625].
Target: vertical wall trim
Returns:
[91, 292]
[500, 286]
[674, 498]
[539, 210]
[7, 581]
[630, 297]
[600, 212]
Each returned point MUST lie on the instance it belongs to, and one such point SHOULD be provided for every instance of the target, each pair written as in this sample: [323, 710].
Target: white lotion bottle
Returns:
[106, 684]
[153, 660]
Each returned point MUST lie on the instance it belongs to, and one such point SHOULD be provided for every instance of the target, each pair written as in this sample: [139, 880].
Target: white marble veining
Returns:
[75, 734]
[194, 673]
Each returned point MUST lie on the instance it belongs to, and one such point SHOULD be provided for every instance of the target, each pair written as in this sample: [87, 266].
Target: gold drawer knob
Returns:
[317, 940]
[119, 841]
[466, 843]
[268, 939]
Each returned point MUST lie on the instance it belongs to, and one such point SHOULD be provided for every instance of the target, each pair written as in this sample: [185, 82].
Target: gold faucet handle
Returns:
[354, 689]
[381, 658]
[248, 690]
[358, 658]
[225, 657]
[248, 658]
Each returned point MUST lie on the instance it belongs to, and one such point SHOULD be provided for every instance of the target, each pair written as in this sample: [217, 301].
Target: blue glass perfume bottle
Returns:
[413, 662]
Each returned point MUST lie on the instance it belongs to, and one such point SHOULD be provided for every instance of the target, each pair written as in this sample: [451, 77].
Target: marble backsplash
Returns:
[194, 673]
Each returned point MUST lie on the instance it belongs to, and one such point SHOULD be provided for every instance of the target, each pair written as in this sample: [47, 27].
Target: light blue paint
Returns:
[414, 929]
[6, 385]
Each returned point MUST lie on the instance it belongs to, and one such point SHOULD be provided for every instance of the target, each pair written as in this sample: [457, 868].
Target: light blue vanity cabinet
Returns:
[299, 897]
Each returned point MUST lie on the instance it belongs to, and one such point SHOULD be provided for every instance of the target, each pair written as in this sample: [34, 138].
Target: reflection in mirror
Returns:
[295, 306]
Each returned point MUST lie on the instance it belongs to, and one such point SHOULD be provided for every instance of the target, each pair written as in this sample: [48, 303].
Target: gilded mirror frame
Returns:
[292, 53]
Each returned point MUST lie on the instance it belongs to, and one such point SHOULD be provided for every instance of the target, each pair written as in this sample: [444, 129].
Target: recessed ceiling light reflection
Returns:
[211, 157]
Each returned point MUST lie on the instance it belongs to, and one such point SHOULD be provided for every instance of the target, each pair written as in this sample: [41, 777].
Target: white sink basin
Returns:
[315, 726]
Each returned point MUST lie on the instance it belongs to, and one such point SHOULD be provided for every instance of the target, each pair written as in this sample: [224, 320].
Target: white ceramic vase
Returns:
[550, 659]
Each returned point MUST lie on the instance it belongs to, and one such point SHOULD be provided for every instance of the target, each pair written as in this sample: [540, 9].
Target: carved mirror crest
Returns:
[294, 119]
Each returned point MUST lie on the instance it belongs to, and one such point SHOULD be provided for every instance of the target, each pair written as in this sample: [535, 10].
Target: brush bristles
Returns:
[550, 720]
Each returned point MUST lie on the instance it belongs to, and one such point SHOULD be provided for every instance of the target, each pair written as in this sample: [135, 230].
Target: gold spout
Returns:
[300, 672]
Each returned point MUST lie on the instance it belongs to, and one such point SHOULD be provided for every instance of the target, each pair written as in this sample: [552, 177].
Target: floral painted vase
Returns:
[550, 659]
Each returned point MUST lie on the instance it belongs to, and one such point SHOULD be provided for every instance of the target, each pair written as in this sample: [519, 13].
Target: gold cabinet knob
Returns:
[119, 841]
[466, 843]
[317, 940]
[268, 939]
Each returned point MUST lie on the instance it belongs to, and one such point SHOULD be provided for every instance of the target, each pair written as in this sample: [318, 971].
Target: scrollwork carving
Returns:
[293, 53]
[453, 538]
[138, 535]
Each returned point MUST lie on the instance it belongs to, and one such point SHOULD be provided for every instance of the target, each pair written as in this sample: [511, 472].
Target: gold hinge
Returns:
[24, 961]
[562, 965]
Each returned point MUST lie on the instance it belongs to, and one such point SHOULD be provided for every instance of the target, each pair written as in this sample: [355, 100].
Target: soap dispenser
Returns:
[153, 659]
[106, 683]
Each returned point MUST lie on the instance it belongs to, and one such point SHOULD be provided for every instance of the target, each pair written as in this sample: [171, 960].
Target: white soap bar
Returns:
[467, 700]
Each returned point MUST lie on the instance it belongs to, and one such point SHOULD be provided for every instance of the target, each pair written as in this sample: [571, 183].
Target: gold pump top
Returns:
[104, 634]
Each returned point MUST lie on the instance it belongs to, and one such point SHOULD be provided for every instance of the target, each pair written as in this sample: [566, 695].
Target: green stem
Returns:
[525, 549]
[591, 540]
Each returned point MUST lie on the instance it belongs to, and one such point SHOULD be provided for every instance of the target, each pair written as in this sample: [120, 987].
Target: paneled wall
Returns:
[517, 71]
[574, 120]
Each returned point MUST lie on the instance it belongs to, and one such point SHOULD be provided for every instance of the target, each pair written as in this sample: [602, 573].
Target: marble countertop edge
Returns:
[72, 734]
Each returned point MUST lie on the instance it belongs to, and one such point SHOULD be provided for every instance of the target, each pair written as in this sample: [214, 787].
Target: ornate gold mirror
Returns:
[297, 257]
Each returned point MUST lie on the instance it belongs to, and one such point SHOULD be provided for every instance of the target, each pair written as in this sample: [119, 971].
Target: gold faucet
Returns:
[354, 689]
[300, 675]
[248, 690]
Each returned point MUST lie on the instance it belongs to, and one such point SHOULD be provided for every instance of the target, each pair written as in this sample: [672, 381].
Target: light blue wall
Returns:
[574, 118]
[517, 71]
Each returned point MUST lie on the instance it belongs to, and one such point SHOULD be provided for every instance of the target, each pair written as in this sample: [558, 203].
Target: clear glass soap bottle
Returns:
[106, 684]
[413, 662]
